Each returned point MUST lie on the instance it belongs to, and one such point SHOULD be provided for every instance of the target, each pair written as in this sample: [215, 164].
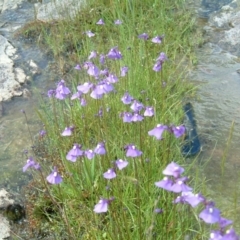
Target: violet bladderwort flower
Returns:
[54, 177]
[120, 164]
[102, 59]
[136, 106]
[51, 93]
[93, 70]
[93, 54]
[112, 78]
[132, 151]
[157, 39]
[85, 87]
[166, 184]
[100, 149]
[78, 67]
[77, 95]
[173, 169]
[149, 112]
[114, 53]
[158, 131]
[89, 154]
[162, 57]
[68, 131]
[210, 214]
[118, 22]
[178, 131]
[136, 117]
[61, 91]
[100, 22]
[110, 174]
[31, 164]
[143, 36]
[124, 71]
[102, 205]
[75, 153]
[89, 34]
[180, 186]
[127, 99]
[127, 117]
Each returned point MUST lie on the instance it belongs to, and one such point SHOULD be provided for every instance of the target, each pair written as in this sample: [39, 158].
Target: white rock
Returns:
[20, 76]
[58, 9]
[10, 83]
[5, 198]
[4, 228]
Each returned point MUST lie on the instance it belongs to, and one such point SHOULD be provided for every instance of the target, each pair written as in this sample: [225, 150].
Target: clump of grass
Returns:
[95, 119]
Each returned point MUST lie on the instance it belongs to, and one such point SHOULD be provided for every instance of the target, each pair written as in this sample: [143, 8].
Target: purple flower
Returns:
[117, 22]
[100, 148]
[149, 112]
[162, 57]
[62, 91]
[173, 169]
[31, 164]
[193, 199]
[112, 78]
[100, 22]
[51, 93]
[102, 59]
[76, 95]
[158, 211]
[136, 106]
[166, 184]
[127, 117]
[110, 174]
[78, 67]
[158, 131]
[230, 235]
[114, 53]
[223, 222]
[216, 235]
[210, 215]
[89, 154]
[132, 151]
[93, 54]
[124, 71]
[108, 87]
[54, 177]
[127, 99]
[157, 39]
[74, 153]
[102, 205]
[83, 102]
[177, 131]
[136, 117]
[180, 186]
[157, 66]
[121, 164]
[94, 94]
[42, 133]
[89, 34]
[84, 88]
[143, 36]
[67, 131]
[93, 71]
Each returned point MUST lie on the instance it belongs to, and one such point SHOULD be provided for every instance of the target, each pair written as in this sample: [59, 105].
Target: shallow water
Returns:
[217, 111]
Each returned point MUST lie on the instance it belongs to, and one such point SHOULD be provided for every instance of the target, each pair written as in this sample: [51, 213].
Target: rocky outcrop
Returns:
[10, 78]
[5, 200]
